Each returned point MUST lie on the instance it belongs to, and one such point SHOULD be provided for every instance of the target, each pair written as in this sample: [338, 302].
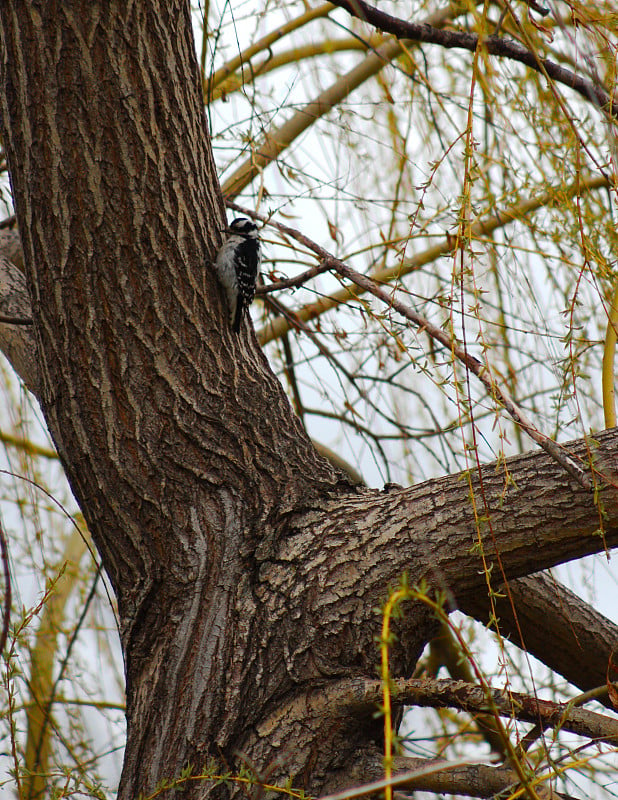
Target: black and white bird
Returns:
[238, 265]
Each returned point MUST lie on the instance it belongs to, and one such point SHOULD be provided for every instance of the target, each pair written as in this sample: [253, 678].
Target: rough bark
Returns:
[179, 444]
[17, 342]
[247, 569]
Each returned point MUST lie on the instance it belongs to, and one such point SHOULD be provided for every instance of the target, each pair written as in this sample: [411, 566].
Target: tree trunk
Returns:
[247, 569]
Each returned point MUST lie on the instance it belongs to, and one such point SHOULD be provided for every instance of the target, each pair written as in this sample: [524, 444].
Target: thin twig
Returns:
[475, 366]
[542, 10]
[338, 367]
[6, 613]
[63, 665]
[293, 283]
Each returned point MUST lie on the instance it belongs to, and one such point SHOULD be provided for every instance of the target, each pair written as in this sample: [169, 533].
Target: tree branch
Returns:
[470, 780]
[278, 140]
[478, 368]
[345, 550]
[494, 45]
[446, 651]
[481, 370]
[263, 45]
[546, 619]
[432, 775]
[441, 693]
[6, 601]
[491, 221]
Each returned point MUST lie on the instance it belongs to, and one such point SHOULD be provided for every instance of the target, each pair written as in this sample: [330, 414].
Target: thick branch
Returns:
[553, 624]
[534, 518]
[469, 780]
[344, 705]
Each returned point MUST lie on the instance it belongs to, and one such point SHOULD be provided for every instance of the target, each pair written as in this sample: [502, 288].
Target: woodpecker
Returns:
[238, 264]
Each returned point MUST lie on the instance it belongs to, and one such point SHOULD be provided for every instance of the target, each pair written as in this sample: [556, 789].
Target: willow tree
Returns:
[249, 570]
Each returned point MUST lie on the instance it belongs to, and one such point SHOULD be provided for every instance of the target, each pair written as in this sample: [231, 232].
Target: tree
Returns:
[247, 568]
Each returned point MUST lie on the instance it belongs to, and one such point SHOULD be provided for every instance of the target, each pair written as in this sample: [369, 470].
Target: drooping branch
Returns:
[276, 141]
[495, 45]
[6, 589]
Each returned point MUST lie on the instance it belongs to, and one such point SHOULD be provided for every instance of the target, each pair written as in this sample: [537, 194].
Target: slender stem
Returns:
[385, 640]
[609, 354]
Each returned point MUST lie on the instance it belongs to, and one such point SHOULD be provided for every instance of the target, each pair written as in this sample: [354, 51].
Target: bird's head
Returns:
[242, 226]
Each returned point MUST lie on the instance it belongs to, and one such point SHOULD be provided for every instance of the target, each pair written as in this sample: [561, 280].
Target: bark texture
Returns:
[17, 342]
[247, 569]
